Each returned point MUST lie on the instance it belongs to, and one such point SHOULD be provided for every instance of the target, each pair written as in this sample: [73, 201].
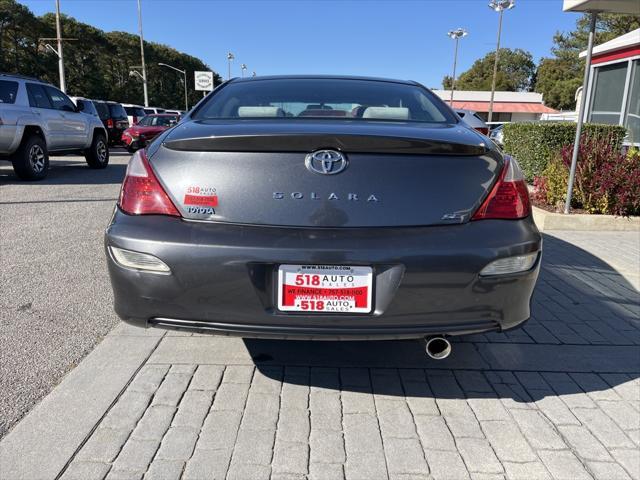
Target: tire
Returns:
[97, 155]
[31, 160]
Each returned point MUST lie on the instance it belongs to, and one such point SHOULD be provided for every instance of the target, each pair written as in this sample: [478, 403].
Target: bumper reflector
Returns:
[139, 261]
[504, 266]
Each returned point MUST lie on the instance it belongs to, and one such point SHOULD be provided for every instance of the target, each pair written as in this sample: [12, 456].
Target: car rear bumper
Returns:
[115, 135]
[223, 277]
[133, 143]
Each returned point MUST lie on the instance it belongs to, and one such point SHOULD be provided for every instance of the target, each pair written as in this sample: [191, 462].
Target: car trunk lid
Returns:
[254, 172]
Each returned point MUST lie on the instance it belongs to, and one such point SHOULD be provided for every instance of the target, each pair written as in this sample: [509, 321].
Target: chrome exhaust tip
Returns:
[438, 348]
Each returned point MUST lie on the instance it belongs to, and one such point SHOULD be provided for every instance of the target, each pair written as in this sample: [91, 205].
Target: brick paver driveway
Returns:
[557, 399]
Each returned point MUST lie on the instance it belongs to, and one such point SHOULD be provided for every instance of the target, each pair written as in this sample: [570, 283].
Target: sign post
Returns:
[203, 82]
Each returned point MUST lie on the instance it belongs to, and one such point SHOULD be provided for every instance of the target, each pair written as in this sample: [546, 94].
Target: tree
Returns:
[97, 65]
[516, 72]
[558, 77]
[19, 33]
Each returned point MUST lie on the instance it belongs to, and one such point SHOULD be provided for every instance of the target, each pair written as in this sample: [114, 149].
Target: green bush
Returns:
[607, 181]
[534, 144]
[551, 188]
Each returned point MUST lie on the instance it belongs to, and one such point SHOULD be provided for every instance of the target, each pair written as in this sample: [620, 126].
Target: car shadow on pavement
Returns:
[70, 170]
[583, 336]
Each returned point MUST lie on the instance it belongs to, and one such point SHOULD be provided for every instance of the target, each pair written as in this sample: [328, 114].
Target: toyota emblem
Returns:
[326, 162]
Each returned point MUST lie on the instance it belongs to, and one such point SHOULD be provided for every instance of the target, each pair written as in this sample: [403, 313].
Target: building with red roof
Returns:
[507, 106]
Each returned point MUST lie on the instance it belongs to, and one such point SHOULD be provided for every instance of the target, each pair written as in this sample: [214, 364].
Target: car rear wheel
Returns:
[31, 160]
[97, 155]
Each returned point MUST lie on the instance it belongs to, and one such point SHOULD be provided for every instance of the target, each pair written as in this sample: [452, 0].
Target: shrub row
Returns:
[534, 144]
[607, 181]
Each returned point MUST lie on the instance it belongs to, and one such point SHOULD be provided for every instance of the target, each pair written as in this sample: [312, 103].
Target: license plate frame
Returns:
[338, 294]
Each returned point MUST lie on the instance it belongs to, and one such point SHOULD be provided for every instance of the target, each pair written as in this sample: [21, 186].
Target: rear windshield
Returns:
[135, 111]
[339, 99]
[86, 106]
[158, 121]
[117, 110]
[103, 110]
[8, 91]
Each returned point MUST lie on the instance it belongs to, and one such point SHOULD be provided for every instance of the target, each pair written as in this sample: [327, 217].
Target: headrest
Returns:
[390, 113]
[260, 112]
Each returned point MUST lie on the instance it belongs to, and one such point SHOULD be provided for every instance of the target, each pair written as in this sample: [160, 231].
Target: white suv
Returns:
[37, 119]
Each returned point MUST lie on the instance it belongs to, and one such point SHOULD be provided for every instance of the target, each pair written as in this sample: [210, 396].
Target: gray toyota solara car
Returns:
[323, 208]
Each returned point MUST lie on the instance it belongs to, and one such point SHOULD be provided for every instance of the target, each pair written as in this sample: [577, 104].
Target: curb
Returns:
[41, 444]
[547, 221]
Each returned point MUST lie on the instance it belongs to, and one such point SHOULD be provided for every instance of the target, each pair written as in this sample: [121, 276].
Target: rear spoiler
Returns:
[300, 142]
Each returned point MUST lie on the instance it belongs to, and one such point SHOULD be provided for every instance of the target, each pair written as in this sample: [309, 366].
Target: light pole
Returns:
[243, 67]
[144, 69]
[230, 57]
[184, 73]
[63, 85]
[498, 6]
[581, 108]
[456, 35]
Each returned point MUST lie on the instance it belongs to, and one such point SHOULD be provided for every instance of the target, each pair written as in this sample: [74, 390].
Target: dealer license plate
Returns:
[325, 288]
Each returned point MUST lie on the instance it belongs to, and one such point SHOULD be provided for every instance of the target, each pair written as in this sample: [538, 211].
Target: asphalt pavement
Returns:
[56, 300]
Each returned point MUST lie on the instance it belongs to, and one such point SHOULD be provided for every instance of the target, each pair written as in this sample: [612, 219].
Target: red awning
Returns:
[504, 107]
[620, 54]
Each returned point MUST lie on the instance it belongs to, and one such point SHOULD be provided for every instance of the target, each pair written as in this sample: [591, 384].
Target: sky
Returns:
[404, 39]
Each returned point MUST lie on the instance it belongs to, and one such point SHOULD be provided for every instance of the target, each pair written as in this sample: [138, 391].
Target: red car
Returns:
[146, 129]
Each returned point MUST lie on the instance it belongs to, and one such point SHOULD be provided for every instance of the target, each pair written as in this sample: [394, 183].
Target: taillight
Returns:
[141, 193]
[509, 197]
[483, 130]
[109, 123]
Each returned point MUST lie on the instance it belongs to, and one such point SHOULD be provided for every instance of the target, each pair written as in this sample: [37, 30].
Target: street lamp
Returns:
[63, 85]
[243, 67]
[230, 57]
[143, 66]
[135, 73]
[58, 52]
[455, 35]
[183, 72]
[497, 6]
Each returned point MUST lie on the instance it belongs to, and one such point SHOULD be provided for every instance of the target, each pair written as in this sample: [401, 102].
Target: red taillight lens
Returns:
[109, 123]
[509, 197]
[483, 130]
[141, 192]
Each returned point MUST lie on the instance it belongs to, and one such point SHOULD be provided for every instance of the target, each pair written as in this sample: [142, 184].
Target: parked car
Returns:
[37, 119]
[85, 105]
[175, 112]
[474, 120]
[137, 136]
[134, 112]
[114, 118]
[497, 135]
[153, 110]
[370, 220]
